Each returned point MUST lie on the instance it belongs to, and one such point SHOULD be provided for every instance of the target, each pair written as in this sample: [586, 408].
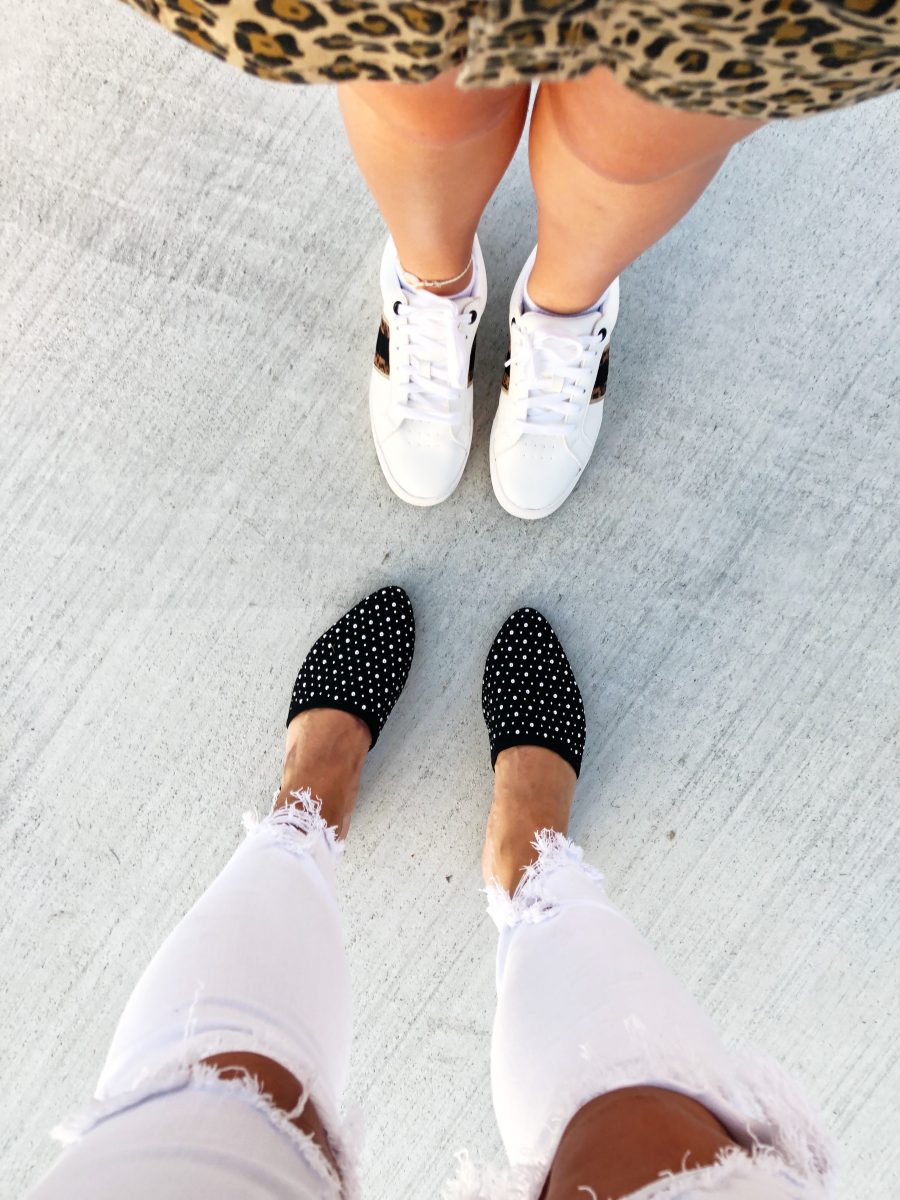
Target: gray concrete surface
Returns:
[189, 493]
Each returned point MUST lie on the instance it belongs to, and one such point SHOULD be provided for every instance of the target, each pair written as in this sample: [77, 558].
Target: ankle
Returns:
[456, 288]
[533, 790]
[571, 298]
[509, 843]
[456, 278]
[325, 753]
[533, 777]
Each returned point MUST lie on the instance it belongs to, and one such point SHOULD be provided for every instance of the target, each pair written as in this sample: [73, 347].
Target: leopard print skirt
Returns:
[751, 58]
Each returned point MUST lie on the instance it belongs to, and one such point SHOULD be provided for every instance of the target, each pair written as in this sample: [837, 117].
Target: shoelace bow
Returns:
[544, 358]
[438, 359]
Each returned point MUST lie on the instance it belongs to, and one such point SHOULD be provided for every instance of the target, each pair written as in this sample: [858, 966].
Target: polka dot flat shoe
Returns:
[360, 664]
[529, 696]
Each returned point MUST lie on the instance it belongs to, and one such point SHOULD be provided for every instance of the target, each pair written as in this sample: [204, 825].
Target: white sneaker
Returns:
[551, 402]
[420, 396]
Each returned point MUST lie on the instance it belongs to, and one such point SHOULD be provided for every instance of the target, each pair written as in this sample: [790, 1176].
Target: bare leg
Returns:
[325, 752]
[623, 1139]
[432, 156]
[612, 173]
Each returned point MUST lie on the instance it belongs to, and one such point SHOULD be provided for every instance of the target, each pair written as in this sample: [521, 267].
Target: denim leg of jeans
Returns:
[586, 1006]
[257, 965]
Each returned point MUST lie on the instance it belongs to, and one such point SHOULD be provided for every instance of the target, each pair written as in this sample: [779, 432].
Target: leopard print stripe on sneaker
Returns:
[361, 663]
[529, 695]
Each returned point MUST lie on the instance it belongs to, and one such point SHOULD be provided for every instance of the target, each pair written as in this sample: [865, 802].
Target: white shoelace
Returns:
[544, 359]
[437, 356]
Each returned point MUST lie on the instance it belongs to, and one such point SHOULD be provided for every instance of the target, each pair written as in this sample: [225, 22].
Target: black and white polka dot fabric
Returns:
[529, 696]
[360, 664]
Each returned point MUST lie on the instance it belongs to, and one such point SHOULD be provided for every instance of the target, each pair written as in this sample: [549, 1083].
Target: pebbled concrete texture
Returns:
[189, 494]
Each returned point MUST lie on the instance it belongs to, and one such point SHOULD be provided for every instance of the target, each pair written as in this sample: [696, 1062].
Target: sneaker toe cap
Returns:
[535, 477]
[425, 469]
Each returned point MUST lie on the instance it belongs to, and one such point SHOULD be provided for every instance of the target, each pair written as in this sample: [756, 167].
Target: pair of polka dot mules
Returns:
[360, 664]
[529, 696]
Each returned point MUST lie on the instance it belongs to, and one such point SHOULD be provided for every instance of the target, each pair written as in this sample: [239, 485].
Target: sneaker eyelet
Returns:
[602, 332]
[473, 316]
[396, 307]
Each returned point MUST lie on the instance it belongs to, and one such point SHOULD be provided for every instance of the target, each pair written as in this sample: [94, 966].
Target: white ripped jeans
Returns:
[584, 1006]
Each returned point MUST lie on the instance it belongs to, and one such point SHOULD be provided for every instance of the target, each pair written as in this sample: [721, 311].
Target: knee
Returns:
[280, 1088]
[619, 164]
[617, 150]
[628, 140]
[439, 113]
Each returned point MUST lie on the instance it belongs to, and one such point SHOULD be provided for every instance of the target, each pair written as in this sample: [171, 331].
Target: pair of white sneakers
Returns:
[551, 398]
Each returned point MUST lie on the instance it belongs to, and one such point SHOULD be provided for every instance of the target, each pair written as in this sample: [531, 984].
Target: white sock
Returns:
[529, 306]
[464, 294]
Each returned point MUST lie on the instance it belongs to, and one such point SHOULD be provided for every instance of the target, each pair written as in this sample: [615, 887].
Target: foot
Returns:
[344, 693]
[551, 402]
[536, 729]
[420, 395]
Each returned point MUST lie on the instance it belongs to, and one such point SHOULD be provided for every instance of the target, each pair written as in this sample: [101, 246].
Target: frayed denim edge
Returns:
[526, 905]
[473, 1181]
[303, 816]
[206, 1078]
[769, 1115]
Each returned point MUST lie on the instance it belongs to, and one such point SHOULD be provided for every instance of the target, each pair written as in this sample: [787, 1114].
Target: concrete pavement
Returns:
[189, 302]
